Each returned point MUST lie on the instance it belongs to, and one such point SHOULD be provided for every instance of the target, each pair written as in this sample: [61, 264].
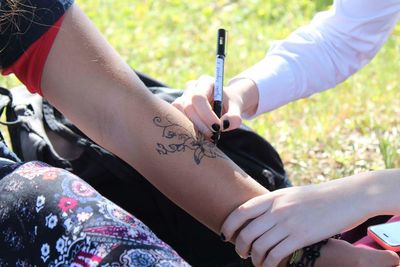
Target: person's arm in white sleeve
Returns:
[336, 44]
[314, 58]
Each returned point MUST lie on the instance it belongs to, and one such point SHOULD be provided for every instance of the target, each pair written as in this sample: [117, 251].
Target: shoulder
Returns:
[22, 22]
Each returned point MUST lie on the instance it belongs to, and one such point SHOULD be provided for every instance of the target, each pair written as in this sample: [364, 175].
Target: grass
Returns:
[350, 129]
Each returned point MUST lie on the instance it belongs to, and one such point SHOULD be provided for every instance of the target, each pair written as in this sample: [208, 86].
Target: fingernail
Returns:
[242, 257]
[222, 237]
[226, 124]
[215, 127]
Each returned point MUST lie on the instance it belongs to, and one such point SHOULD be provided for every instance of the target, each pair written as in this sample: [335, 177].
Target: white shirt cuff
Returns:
[275, 82]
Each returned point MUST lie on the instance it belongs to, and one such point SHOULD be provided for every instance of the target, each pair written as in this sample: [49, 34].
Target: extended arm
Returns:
[289, 219]
[86, 79]
[324, 53]
[316, 57]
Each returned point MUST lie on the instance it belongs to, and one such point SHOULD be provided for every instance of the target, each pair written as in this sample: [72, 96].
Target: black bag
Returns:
[39, 132]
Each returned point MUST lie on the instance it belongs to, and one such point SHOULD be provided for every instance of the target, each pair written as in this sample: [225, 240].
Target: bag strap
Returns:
[6, 103]
[58, 127]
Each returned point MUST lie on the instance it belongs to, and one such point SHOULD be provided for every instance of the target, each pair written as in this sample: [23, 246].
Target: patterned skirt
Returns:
[50, 217]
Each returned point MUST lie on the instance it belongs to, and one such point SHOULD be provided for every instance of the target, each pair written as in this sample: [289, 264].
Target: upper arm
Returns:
[87, 80]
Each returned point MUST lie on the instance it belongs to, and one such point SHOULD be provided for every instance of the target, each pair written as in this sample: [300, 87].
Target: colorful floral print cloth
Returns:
[50, 217]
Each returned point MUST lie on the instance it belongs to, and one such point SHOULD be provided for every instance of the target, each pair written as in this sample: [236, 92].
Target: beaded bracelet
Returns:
[307, 256]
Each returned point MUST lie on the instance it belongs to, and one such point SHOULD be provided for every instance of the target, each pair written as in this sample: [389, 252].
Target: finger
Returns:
[230, 121]
[255, 229]
[193, 116]
[265, 243]
[202, 99]
[191, 84]
[178, 104]
[232, 118]
[280, 252]
[199, 95]
[206, 84]
[204, 110]
[247, 211]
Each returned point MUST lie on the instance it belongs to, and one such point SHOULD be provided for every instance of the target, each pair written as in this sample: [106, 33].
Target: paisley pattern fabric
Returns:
[50, 217]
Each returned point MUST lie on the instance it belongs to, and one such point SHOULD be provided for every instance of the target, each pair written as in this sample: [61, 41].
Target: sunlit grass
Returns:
[352, 128]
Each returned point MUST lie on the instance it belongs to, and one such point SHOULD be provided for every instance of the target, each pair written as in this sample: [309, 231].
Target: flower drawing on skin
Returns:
[180, 140]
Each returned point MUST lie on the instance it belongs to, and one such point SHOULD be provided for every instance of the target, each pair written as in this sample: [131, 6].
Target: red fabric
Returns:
[368, 242]
[29, 67]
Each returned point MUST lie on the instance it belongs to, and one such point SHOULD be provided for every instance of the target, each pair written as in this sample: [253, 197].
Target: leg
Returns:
[51, 217]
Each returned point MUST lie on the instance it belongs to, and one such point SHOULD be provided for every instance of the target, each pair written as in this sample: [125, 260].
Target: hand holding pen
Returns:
[210, 108]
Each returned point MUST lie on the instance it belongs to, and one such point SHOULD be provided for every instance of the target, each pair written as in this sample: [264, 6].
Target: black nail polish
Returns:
[222, 237]
[226, 124]
[216, 127]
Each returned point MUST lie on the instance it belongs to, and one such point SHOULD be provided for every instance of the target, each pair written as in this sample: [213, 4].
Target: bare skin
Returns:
[87, 80]
[289, 219]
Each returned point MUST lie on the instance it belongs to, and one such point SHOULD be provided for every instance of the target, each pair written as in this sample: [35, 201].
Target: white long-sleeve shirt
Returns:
[336, 44]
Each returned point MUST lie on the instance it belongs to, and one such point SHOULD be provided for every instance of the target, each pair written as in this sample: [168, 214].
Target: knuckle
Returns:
[187, 108]
[207, 78]
[280, 211]
[242, 208]
[273, 258]
[257, 249]
[190, 84]
[243, 238]
[237, 119]
[196, 98]
[240, 213]
[177, 104]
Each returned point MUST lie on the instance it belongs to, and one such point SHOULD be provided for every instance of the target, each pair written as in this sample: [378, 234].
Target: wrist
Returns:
[382, 191]
[247, 92]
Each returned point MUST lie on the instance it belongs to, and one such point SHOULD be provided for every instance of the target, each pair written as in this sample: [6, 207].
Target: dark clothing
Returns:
[21, 29]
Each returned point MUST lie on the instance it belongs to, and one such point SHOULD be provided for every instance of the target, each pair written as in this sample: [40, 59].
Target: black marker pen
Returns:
[219, 75]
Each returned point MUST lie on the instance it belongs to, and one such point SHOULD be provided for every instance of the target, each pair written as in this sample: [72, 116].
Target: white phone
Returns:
[387, 235]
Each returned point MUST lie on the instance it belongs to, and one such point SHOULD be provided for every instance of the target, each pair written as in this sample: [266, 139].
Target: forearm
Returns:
[370, 193]
[382, 191]
[86, 79]
[189, 169]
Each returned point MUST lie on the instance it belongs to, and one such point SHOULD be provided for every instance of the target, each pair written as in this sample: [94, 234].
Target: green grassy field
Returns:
[350, 129]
